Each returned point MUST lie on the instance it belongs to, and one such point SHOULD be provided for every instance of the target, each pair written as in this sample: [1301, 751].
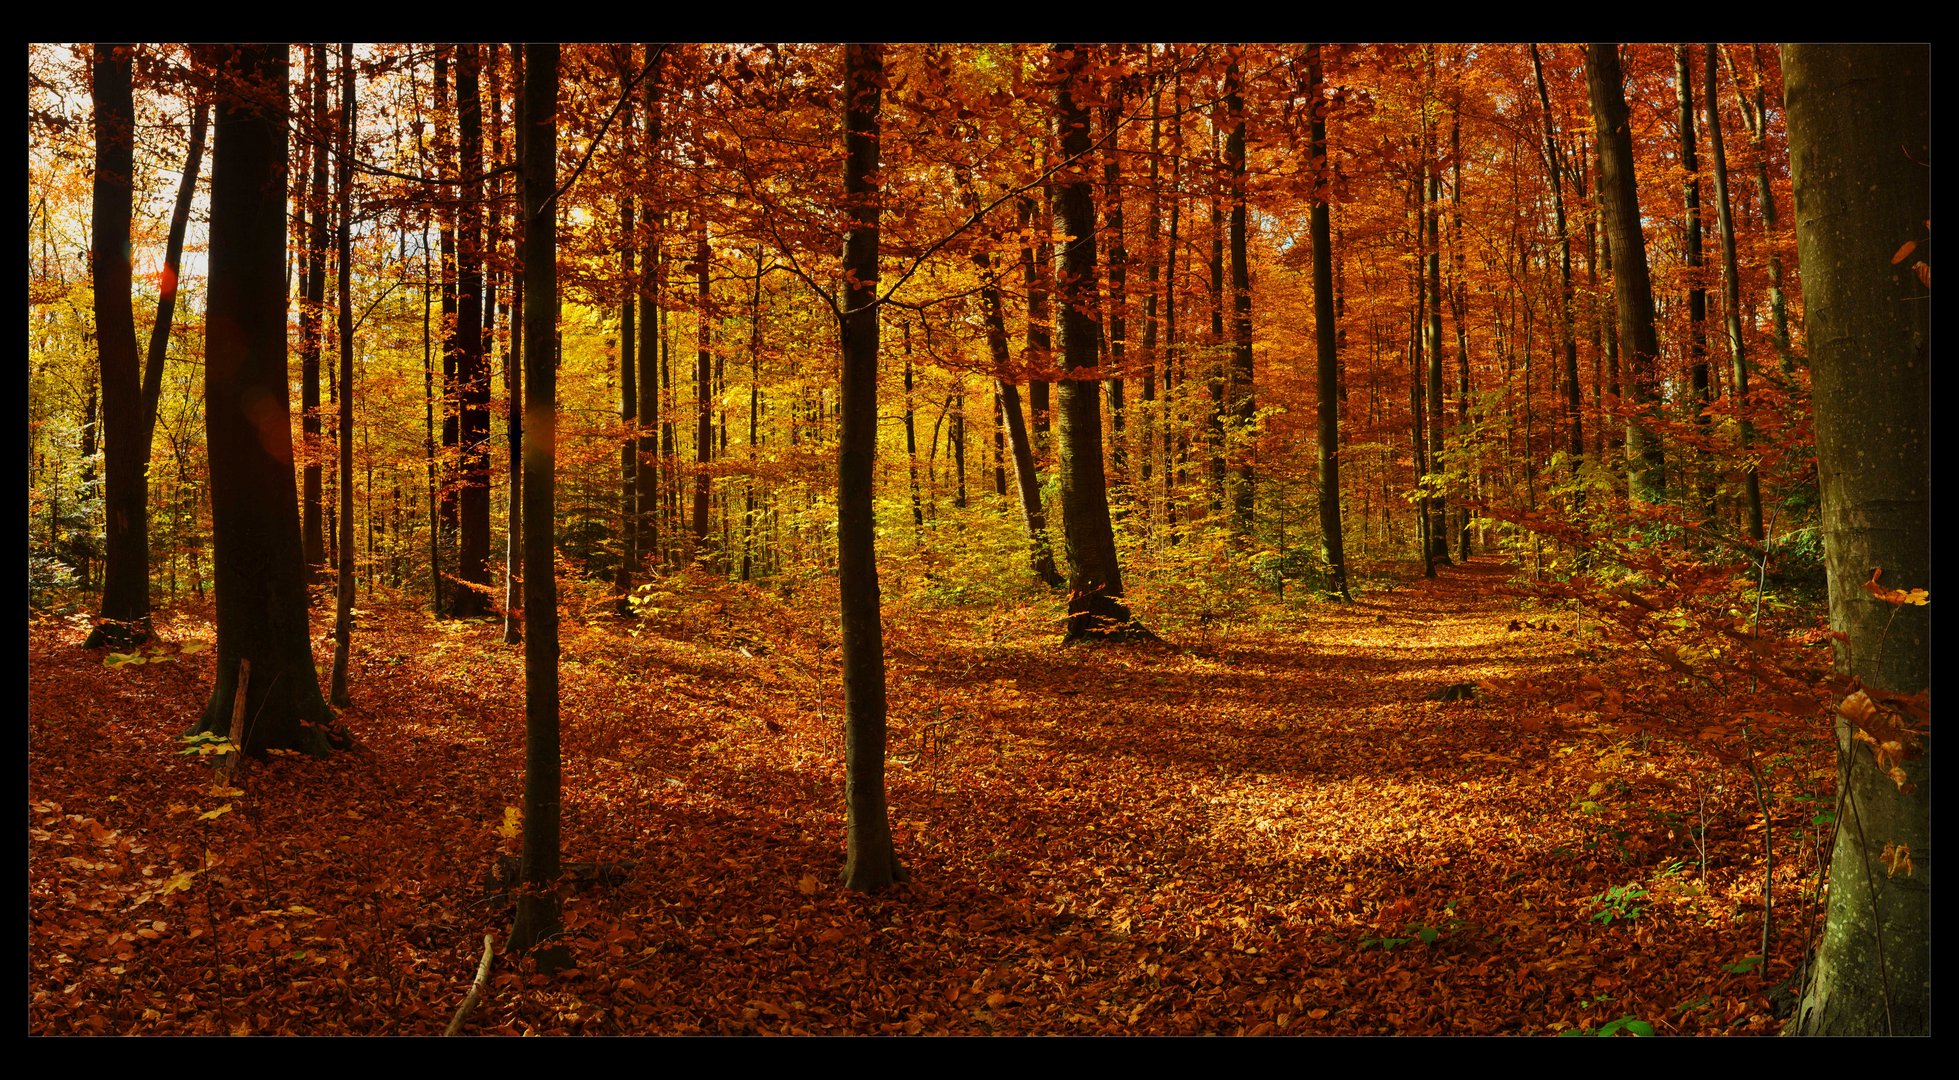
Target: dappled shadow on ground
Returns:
[1271, 830]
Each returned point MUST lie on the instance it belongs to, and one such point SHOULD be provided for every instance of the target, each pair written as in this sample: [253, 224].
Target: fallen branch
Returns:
[475, 990]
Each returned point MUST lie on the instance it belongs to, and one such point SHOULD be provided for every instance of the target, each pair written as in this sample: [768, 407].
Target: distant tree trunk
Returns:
[1333, 546]
[1567, 328]
[513, 360]
[1118, 287]
[754, 415]
[647, 458]
[1217, 371]
[1438, 518]
[1683, 74]
[622, 582]
[259, 567]
[911, 444]
[1243, 403]
[125, 613]
[312, 313]
[451, 339]
[343, 614]
[1731, 305]
[1756, 119]
[538, 920]
[1459, 313]
[1154, 257]
[1860, 158]
[1095, 606]
[869, 860]
[703, 393]
[1631, 286]
[1036, 264]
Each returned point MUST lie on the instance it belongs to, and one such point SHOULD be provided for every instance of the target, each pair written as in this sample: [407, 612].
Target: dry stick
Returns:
[475, 990]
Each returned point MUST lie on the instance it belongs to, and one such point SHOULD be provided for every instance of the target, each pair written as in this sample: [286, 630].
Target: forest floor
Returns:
[1256, 828]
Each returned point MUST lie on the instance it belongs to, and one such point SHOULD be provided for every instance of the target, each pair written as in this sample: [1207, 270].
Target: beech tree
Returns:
[1860, 155]
[264, 652]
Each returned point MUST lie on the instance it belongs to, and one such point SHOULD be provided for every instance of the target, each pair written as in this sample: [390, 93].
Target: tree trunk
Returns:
[312, 314]
[1095, 607]
[1683, 75]
[513, 376]
[1333, 547]
[622, 582]
[1118, 287]
[703, 392]
[647, 456]
[1860, 154]
[1438, 514]
[343, 611]
[1243, 403]
[1731, 304]
[1631, 286]
[472, 365]
[125, 614]
[260, 569]
[1567, 327]
[869, 860]
[538, 919]
[1036, 264]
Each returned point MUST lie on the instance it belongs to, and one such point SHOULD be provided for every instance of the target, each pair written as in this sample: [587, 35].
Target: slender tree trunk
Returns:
[1154, 257]
[1631, 286]
[1567, 329]
[1860, 157]
[1459, 314]
[1243, 404]
[1217, 369]
[1438, 526]
[1118, 291]
[1683, 74]
[513, 361]
[1731, 306]
[538, 921]
[1095, 606]
[869, 861]
[1333, 547]
[451, 342]
[754, 415]
[472, 364]
[622, 582]
[1756, 120]
[703, 392]
[911, 444]
[311, 316]
[343, 613]
[1036, 264]
[651, 280]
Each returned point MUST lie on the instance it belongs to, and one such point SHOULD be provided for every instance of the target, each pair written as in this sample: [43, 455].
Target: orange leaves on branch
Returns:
[1918, 597]
[1896, 857]
[1886, 731]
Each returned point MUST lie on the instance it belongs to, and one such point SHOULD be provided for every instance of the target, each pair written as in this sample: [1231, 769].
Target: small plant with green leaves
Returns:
[1625, 1025]
[1620, 903]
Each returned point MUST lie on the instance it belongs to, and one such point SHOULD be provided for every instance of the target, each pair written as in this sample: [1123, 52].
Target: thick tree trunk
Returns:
[1860, 153]
[1333, 546]
[869, 860]
[1095, 606]
[1631, 286]
[538, 921]
[260, 568]
[125, 613]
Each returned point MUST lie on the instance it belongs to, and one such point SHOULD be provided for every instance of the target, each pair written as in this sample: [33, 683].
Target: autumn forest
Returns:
[1171, 539]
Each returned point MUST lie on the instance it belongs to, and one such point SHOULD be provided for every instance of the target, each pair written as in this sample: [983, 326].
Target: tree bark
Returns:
[538, 920]
[125, 613]
[870, 862]
[1631, 286]
[472, 597]
[312, 315]
[1683, 75]
[260, 570]
[1567, 325]
[343, 613]
[1333, 546]
[1243, 404]
[1731, 304]
[1860, 154]
[1095, 606]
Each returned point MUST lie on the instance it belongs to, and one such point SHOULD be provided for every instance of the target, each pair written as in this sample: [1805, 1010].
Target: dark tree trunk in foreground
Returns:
[869, 859]
[472, 596]
[1333, 547]
[1632, 288]
[538, 920]
[1860, 154]
[260, 571]
[343, 609]
[1095, 607]
[125, 613]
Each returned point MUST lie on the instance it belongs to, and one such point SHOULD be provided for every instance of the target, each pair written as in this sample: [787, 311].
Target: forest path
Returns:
[1248, 830]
